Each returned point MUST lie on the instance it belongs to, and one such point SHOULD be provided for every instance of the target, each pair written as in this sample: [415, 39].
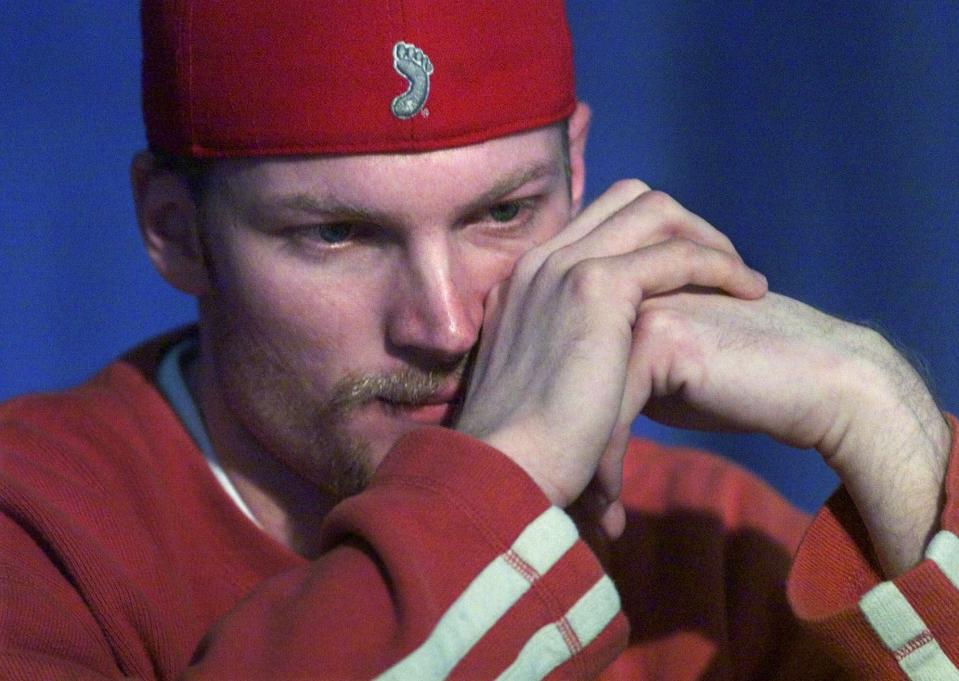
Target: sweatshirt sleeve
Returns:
[451, 563]
[904, 628]
[121, 557]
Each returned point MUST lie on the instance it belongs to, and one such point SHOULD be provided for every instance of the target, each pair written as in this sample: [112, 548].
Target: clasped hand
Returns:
[639, 305]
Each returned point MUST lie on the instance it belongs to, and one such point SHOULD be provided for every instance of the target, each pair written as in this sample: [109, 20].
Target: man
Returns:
[415, 346]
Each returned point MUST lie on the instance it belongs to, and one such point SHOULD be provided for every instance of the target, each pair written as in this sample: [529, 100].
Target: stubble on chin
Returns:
[284, 412]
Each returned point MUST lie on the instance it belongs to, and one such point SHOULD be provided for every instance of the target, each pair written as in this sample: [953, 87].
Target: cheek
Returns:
[294, 313]
[554, 219]
[493, 262]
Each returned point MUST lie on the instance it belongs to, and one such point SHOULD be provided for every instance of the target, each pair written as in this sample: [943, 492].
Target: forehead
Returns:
[447, 173]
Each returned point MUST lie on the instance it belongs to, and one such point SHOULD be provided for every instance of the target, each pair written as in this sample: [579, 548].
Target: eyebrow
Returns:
[327, 205]
[511, 183]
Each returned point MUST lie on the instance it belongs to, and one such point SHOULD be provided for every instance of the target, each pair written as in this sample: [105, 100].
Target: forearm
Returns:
[424, 574]
[878, 628]
[451, 558]
[892, 456]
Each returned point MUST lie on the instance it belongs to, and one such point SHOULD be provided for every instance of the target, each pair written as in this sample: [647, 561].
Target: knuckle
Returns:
[528, 265]
[587, 279]
[659, 201]
[723, 267]
[661, 213]
[664, 325]
[864, 336]
[555, 265]
[701, 264]
[686, 248]
[725, 242]
[629, 188]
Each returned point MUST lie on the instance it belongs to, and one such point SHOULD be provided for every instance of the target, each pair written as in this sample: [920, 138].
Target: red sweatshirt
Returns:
[121, 555]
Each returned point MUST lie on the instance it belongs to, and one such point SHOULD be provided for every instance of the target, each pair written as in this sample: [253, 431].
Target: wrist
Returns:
[533, 458]
[889, 443]
[882, 408]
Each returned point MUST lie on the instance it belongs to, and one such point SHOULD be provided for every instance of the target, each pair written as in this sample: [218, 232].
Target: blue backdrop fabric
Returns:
[821, 137]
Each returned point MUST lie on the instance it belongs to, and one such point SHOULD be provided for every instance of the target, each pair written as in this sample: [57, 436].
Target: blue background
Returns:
[822, 137]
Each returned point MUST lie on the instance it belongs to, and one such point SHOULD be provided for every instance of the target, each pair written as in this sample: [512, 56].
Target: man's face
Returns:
[349, 291]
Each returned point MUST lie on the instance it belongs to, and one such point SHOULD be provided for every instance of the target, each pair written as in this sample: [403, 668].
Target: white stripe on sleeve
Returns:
[555, 643]
[905, 635]
[944, 552]
[487, 598]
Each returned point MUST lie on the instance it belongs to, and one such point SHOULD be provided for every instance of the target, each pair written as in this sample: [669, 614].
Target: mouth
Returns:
[438, 409]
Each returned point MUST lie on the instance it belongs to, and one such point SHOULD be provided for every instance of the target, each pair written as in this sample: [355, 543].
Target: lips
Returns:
[438, 408]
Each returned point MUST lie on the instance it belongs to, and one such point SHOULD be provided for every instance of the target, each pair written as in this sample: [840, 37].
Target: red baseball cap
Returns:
[224, 78]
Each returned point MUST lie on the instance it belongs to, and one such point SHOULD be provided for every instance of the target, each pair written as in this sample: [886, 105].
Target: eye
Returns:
[506, 211]
[331, 234]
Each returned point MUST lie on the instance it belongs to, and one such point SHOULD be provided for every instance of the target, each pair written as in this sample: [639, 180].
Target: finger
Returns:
[593, 509]
[607, 511]
[608, 479]
[607, 482]
[659, 269]
[496, 324]
[492, 306]
[651, 217]
[613, 520]
[593, 513]
[618, 196]
[678, 263]
[639, 383]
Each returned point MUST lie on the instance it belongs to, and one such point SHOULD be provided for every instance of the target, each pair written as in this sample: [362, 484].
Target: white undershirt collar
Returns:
[172, 383]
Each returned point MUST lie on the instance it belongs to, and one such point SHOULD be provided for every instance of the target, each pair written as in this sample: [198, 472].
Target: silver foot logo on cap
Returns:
[413, 64]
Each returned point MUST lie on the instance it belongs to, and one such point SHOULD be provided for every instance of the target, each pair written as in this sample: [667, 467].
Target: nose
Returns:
[436, 308]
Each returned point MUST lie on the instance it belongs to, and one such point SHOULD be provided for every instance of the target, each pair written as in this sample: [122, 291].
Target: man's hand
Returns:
[548, 386]
[776, 366]
[640, 305]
